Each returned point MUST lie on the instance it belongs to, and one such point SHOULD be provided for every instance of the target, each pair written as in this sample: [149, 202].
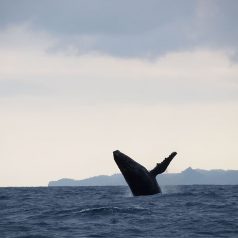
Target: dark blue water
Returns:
[181, 211]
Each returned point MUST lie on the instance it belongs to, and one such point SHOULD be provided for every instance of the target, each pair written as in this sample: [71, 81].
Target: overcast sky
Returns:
[79, 79]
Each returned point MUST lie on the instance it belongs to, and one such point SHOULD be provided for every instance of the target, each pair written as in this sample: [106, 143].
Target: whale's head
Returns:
[125, 163]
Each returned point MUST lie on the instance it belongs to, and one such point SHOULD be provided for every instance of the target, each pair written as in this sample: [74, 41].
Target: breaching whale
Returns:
[140, 180]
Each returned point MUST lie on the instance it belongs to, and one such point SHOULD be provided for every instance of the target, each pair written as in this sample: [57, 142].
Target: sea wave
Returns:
[180, 211]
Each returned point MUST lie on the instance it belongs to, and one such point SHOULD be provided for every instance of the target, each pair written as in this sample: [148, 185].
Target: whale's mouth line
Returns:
[121, 164]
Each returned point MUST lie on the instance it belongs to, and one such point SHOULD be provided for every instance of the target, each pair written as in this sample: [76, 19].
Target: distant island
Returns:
[187, 177]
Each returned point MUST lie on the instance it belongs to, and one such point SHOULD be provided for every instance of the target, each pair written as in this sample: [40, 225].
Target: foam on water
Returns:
[171, 189]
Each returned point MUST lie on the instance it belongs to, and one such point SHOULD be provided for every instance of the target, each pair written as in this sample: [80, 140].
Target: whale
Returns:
[141, 181]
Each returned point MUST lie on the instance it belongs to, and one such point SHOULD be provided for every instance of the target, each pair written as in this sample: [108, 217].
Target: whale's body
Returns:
[140, 180]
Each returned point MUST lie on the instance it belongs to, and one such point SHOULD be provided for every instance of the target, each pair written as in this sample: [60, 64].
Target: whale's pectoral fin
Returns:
[161, 167]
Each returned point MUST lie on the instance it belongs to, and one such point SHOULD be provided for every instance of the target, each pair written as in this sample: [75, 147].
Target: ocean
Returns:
[180, 211]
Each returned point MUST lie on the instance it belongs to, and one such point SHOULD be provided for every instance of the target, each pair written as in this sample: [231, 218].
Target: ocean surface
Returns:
[181, 211]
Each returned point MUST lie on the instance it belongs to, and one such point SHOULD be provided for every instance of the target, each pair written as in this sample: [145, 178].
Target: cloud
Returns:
[129, 29]
[186, 76]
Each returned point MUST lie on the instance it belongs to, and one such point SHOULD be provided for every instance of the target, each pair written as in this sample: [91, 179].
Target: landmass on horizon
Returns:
[187, 177]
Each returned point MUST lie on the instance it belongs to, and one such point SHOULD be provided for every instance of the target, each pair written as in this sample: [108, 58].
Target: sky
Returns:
[80, 79]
